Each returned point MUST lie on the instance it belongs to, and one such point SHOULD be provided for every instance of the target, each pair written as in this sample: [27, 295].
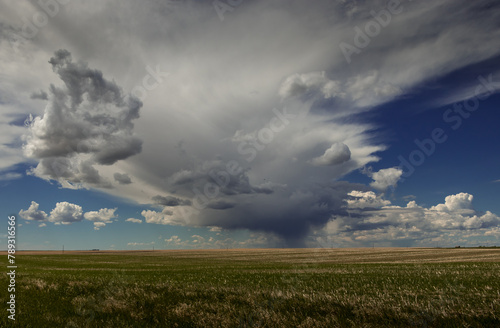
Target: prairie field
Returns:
[381, 287]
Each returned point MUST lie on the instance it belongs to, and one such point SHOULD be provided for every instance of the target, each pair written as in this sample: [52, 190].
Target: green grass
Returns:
[287, 288]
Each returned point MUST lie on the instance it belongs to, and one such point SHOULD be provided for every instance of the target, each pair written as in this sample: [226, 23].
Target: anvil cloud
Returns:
[250, 123]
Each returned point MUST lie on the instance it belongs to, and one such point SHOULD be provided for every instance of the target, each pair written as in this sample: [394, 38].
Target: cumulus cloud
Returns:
[385, 178]
[88, 122]
[101, 217]
[133, 220]
[174, 240]
[166, 216]
[33, 213]
[99, 225]
[66, 213]
[374, 219]
[338, 153]
[364, 200]
[458, 202]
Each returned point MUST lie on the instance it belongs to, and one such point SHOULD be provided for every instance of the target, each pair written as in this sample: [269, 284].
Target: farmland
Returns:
[399, 287]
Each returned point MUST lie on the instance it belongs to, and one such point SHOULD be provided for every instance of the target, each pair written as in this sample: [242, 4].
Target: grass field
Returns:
[391, 287]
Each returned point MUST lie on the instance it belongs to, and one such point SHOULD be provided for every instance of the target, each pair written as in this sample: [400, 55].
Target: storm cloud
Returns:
[87, 122]
[254, 126]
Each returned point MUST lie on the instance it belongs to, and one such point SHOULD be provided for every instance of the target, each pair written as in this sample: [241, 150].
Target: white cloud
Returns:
[412, 204]
[86, 123]
[173, 239]
[101, 218]
[298, 84]
[369, 89]
[362, 90]
[10, 176]
[99, 225]
[140, 244]
[385, 178]
[166, 216]
[177, 242]
[133, 220]
[368, 199]
[197, 239]
[373, 219]
[458, 202]
[33, 213]
[103, 215]
[66, 213]
[495, 232]
[337, 154]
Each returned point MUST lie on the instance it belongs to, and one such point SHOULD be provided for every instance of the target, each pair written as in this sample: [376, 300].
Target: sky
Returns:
[250, 124]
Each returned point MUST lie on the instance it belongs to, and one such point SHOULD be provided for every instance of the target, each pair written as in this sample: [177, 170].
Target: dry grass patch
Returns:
[261, 288]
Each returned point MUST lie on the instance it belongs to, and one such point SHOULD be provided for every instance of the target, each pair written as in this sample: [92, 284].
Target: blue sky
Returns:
[463, 162]
[185, 124]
